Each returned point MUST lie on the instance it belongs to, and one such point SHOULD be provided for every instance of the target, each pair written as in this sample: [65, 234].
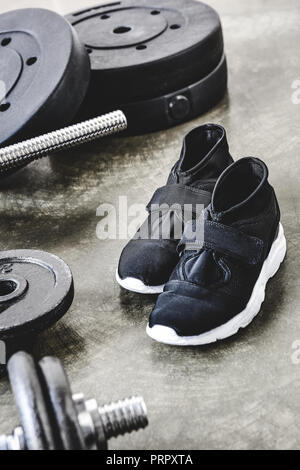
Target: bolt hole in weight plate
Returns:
[44, 73]
[162, 62]
[36, 290]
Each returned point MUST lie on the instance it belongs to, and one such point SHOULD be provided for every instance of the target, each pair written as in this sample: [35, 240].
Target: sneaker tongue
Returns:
[205, 270]
[202, 269]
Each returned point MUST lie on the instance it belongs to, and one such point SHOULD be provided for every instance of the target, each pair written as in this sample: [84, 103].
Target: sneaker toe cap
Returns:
[148, 261]
[193, 315]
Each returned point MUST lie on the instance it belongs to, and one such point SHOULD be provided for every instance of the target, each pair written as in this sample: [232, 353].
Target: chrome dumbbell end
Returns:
[99, 424]
[123, 416]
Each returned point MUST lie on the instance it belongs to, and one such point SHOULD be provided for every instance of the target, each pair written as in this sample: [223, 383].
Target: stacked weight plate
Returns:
[44, 73]
[44, 400]
[161, 61]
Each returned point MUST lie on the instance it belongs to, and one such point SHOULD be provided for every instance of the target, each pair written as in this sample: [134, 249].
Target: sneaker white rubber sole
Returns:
[136, 285]
[167, 335]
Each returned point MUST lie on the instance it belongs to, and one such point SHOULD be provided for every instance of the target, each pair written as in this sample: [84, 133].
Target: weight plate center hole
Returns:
[122, 29]
[7, 288]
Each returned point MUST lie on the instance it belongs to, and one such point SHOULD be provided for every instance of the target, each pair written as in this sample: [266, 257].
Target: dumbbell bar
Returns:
[54, 419]
[22, 153]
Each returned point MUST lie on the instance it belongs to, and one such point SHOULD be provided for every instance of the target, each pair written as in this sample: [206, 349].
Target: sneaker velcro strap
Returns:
[223, 239]
[179, 194]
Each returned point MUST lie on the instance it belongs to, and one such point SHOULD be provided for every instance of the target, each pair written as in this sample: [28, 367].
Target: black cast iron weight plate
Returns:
[141, 50]
[32, 406]
[36, 290]
[44, 73]
[59, 396]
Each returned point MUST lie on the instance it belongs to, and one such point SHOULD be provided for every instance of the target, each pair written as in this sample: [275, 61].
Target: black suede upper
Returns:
[213, 281]
[203, 158]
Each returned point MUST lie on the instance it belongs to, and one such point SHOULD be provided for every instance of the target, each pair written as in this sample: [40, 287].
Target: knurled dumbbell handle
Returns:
[21, 153]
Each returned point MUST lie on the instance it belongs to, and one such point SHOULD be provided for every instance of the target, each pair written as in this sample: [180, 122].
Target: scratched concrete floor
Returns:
[242, 393]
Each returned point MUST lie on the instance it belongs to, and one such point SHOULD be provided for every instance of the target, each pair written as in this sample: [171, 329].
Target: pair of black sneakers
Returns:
[212, 277]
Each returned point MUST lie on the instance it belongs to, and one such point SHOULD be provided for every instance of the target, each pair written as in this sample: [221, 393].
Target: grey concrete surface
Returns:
[242, 393]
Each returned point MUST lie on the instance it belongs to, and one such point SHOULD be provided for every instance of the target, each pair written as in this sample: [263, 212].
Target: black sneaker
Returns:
[219, 287]
[147, 261]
